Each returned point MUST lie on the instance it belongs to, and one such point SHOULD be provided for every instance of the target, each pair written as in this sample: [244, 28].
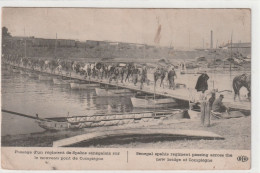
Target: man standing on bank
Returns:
[202, 82]
[204, 109]
[202, 85]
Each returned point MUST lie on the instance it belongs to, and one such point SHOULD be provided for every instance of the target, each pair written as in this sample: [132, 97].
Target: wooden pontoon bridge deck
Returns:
[182, 93]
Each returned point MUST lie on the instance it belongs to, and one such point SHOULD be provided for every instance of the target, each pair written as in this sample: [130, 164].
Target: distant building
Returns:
[120, 45]
[242, 48]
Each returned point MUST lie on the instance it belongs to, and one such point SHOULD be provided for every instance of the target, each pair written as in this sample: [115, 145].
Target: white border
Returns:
[254, 5]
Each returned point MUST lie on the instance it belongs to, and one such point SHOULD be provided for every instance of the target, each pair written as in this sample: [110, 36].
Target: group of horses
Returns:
[113, 71]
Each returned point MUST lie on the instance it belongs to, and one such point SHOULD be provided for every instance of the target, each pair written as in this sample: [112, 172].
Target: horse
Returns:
[53, 64]
[41, 64]
[240, 81]
[156, 76]
[129, 71]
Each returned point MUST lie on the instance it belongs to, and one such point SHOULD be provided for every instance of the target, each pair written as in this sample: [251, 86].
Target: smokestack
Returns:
[211, 39]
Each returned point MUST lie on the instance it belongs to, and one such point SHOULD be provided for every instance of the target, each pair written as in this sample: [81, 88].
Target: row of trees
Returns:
[5, 32]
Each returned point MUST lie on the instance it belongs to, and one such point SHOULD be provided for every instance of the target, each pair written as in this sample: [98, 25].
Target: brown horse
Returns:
[240, 81]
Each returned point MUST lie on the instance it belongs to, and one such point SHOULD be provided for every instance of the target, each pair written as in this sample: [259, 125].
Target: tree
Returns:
[5, 32]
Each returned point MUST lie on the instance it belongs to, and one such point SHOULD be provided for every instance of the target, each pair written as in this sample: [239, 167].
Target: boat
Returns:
[33, 75]
[78, 85]
[114, 92]
[152, 103]
[15, 70]
[23, 72]
[78, 122]
[100, 120]
[227, 115]
[194, 114]
[45, 77]
[52, 125]
[62, 81]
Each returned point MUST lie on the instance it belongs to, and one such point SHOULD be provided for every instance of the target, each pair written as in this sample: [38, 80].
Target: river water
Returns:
[23, 94]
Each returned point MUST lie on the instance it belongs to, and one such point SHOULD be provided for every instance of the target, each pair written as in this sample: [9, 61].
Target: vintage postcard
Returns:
[126, 89]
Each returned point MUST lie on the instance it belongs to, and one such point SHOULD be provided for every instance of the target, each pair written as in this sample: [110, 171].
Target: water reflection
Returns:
[26, 94]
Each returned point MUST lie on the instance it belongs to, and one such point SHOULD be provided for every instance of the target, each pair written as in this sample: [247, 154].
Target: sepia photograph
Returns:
[126, 78]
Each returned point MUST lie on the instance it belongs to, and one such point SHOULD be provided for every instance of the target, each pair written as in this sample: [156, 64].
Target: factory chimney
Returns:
[211, 39]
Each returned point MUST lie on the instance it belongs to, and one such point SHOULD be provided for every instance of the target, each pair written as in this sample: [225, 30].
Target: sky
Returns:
[180, 28]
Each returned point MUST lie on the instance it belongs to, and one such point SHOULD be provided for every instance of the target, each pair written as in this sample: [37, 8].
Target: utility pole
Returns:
[55, 46]
[189, 39]
[211, 39]
[24, 43]
[230, 52]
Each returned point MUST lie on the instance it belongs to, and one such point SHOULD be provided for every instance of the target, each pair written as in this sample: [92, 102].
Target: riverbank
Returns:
[236, 131]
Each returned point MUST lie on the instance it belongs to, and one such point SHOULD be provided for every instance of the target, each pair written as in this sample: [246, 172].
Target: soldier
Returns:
[218, 105]
[89, 71]
[135, 75]
[163, 74]
[204, 109]
[171, 75]
[143, 76]
[121, 72]
[202, 84]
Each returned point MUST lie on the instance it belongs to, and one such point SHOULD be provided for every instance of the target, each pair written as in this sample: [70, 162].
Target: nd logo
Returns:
[242, 158]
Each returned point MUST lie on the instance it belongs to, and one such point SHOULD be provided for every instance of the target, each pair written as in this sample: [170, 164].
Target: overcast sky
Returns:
[132, 25]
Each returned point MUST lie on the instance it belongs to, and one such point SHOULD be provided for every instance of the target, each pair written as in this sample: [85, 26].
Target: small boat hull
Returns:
[52, 125]
[151, 103]
[45, 78]
[194, 114]
[33, 75]
[119, 92]
[62, 81]
[22, 72]
[227, 115]
[78, 122]
[15, 70]
[74, 85]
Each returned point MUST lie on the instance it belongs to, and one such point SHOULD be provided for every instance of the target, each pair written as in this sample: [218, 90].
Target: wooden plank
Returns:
[22, 115]
[134, 133]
